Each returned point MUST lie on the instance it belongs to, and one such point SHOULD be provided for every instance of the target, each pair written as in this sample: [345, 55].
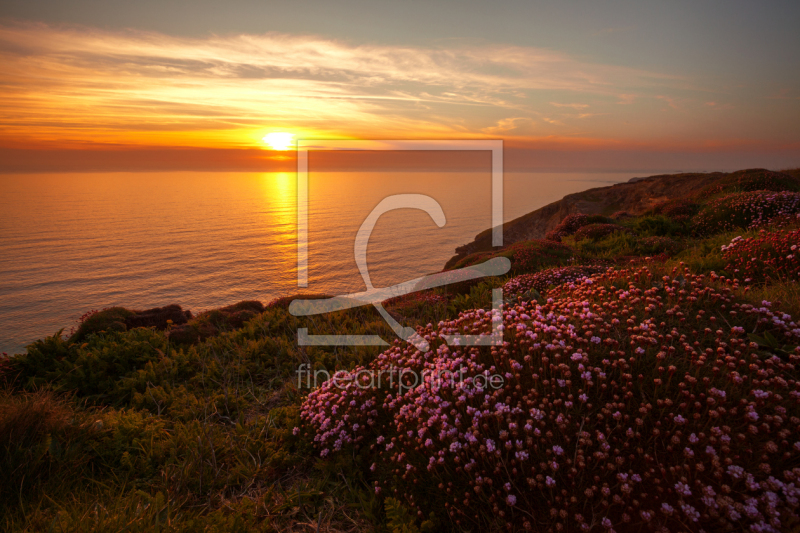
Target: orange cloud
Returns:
[85, 84]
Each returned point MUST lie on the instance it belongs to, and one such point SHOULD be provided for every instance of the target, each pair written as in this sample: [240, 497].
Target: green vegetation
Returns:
[190, 426]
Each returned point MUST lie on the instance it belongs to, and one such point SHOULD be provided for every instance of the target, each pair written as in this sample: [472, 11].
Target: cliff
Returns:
[634, 197]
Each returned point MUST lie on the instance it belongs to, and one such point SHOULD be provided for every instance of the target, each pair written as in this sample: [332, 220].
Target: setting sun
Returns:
[279, 140]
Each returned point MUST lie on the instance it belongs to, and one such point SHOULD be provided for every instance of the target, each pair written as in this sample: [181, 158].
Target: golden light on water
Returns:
[279, 140]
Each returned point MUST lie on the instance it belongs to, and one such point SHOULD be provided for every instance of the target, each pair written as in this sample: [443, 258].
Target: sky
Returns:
[588, 85]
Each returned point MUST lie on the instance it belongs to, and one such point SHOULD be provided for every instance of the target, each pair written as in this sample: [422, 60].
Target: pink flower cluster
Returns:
[540, 281]
[627, 402]
[770, 255]
[747, 210]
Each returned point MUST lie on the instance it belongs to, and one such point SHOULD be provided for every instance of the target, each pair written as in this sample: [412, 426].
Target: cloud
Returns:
[507, 125]
[87, 84]
[573, 106]
[672, 102]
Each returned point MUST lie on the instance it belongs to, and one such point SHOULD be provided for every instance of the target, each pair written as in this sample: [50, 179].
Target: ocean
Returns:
[70, 243]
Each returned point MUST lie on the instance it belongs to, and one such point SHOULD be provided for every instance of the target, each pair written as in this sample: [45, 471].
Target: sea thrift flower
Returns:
[717, 433]
[683, 489]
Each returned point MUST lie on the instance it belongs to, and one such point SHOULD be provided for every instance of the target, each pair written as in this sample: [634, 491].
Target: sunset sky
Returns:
[629, 85]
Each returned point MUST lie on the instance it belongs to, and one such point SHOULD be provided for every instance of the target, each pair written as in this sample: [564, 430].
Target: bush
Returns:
[573, 223]
[212, 323]
[625, 403]
[659, 226]
[525, 256]
[675, 208]
[99, 369]
[109, 319]
[746, 210]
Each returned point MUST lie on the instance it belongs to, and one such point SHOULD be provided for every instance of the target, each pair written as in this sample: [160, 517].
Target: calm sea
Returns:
[70, 243]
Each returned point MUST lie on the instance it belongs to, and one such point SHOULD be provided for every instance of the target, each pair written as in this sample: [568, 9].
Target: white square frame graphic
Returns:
[306, 145]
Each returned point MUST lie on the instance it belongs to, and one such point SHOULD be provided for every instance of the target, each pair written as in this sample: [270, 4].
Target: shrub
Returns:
[660, 226]
[768, 256]
[121, 319]
[97, 369]
[109, 319]
[746, 210]
[677, 207]
[573, 223]
[625, 403]
[158, 317]
[211, 323]
[596, 232]
[533, 255]
[525, 256]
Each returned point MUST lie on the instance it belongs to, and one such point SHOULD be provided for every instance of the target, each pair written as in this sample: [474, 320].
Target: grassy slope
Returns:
[125, 430]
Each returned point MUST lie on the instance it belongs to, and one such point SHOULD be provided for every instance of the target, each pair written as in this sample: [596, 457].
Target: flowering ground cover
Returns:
[773, 255]
[746, 210]
[544, 279]
[627, 403]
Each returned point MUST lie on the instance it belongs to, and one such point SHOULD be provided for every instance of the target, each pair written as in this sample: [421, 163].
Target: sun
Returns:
[279, 140]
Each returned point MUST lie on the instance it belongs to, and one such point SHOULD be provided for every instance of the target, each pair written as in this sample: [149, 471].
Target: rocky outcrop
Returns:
[158, 317]
[634, 197]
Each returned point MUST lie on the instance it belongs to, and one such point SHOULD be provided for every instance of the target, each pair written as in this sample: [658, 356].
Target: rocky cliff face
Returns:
[635, 197]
